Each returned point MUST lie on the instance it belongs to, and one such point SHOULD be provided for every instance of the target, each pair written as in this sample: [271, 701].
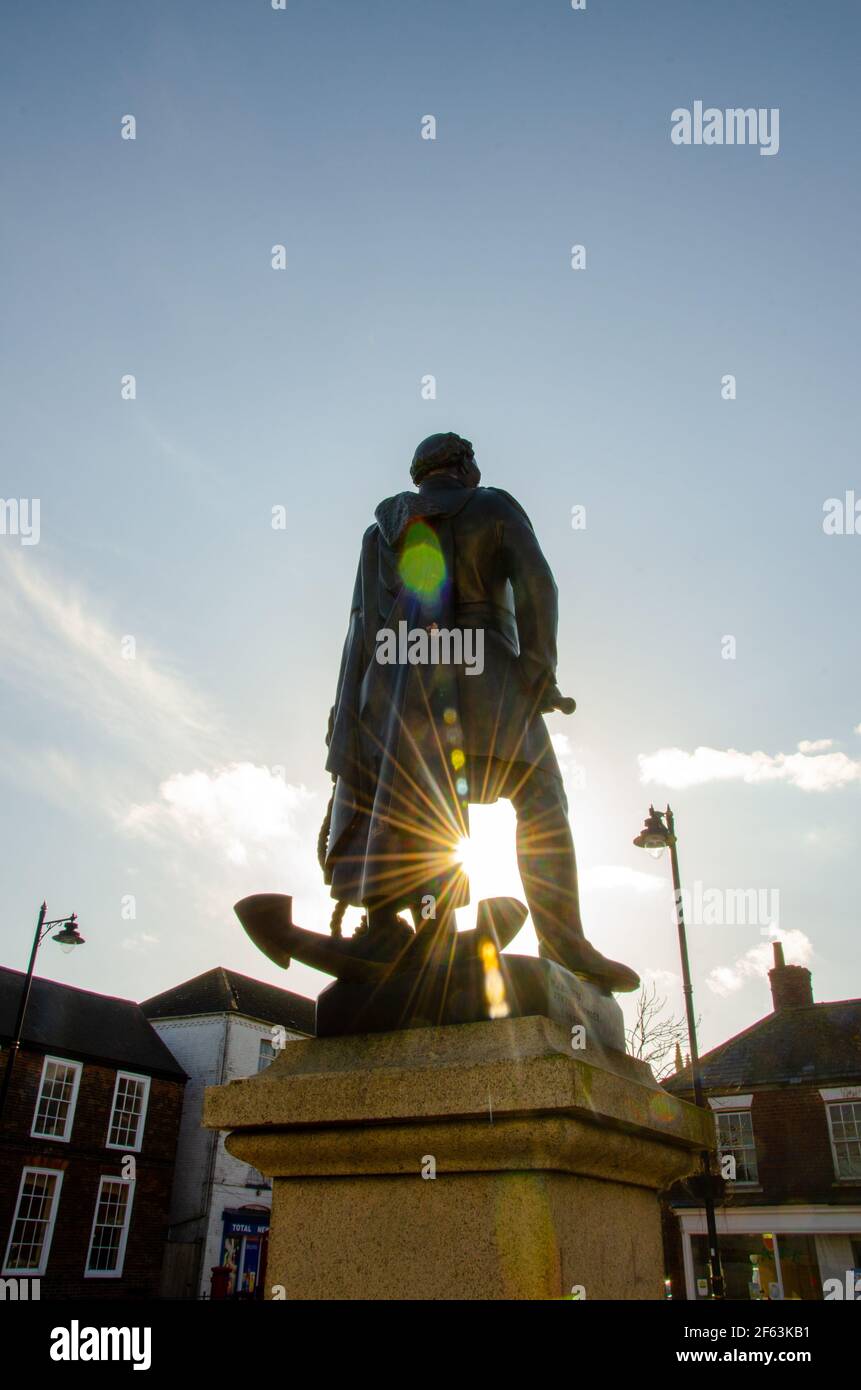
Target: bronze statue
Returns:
[448, 666]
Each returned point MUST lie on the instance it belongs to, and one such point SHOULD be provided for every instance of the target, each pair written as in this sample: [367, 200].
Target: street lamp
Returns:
[67, 937]
[657, 835]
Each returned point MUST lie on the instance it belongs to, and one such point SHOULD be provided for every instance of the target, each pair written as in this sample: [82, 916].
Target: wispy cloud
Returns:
[140, 945]
[620, 876]
[811, 768]
[756, 963]
[56, 648]
[140, 746]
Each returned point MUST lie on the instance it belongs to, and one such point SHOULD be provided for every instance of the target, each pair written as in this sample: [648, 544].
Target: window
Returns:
[735, 1137]
[128, 1112]
[58, 1094]
[267, 1054]
[110, 1229]
[844, 1122]
[33, 1223]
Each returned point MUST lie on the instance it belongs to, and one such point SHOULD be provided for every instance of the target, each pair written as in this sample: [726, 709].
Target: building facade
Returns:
[786, 1096]
[220, 1026]
[89, 1137]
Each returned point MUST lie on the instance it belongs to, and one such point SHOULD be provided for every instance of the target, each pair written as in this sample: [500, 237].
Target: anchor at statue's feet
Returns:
[390, 976]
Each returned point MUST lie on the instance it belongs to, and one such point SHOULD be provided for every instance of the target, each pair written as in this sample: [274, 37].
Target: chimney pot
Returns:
[791, 986]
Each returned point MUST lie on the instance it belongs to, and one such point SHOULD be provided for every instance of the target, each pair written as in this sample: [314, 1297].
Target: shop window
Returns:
[761, 1267]
[243, 1251]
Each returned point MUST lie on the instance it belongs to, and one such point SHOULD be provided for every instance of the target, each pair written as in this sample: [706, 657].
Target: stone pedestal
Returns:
[547, 1161]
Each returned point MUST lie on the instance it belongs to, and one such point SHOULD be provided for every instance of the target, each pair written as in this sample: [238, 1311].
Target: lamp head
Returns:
[68, 937]
[654, 836]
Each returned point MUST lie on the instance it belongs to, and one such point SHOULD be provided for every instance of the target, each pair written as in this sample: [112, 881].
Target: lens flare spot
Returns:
[458, 758]
[494, 985]
[422, 564]
[450, 716]
[662, 1109]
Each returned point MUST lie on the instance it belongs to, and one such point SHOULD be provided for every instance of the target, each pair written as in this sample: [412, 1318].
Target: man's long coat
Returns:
[404, 740]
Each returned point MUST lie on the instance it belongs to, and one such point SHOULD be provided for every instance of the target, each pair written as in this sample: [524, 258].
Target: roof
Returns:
[221, 991]
[85, 1026]
[815, 1043]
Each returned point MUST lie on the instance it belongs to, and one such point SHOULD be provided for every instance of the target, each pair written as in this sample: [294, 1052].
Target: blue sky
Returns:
[193, 773]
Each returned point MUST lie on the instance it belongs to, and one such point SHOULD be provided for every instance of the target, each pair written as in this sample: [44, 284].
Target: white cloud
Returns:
[664, 979]
[620, 876]
[140, 945]
[573, 771]
[808, 769]
[240, 811]
[756, 963]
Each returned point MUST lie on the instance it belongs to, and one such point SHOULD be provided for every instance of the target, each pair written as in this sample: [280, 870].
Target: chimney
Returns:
[790, 984]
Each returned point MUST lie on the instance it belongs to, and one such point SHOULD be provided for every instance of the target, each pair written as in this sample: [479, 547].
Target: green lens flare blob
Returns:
[662, 1109]
[422, 564]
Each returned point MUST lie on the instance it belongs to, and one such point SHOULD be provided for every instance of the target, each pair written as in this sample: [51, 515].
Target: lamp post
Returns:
[68, 937]
[656, 836]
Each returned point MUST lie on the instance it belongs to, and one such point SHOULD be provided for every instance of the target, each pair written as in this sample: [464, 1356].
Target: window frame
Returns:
[49, 1225]
[126, 1227]
[138, 1144]
[736, 1105]
[845, 1095]
[78, 1068]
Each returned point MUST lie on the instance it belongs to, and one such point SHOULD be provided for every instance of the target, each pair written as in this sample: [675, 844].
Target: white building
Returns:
[219, 1026]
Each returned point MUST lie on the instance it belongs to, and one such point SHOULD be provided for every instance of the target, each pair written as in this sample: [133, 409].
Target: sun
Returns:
[489, 856]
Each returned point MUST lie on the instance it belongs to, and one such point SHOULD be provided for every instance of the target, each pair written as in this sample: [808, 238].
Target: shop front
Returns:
[771, 1253]
[243, 1251]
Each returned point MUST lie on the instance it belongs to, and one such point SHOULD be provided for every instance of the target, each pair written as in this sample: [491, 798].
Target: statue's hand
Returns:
[553, 700]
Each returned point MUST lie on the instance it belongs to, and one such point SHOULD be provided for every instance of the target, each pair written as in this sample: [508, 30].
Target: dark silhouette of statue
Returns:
[448, 666]
[412, 745]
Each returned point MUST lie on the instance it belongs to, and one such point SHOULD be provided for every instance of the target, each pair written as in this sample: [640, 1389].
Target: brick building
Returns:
[220, 1026]
[786, 1095]
[89, 1140]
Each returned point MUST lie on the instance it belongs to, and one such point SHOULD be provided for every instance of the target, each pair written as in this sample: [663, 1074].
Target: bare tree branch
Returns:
[655, 1033]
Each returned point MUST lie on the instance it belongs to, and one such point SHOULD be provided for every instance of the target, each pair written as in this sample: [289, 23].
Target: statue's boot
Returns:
[577, 955]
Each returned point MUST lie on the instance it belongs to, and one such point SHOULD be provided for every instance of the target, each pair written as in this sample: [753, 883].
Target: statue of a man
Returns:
[448, 666]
